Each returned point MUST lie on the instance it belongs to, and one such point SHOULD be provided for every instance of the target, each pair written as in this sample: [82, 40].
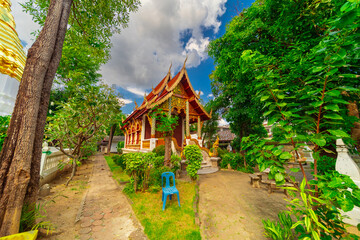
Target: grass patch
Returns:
[118, 174]
[173, 223]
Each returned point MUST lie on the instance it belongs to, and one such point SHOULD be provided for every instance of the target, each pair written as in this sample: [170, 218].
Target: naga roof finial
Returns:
[170, 68]
[136, 105]
[185, 60]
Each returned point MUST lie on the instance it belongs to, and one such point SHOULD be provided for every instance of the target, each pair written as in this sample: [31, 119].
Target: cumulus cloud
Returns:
[160, 33]
[135, 91]
[210, 95]
[125, 101]
[199, 92]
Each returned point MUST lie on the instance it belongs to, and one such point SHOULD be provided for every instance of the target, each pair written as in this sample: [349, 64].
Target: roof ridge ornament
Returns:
[185, 61]
[136, 105]
[169, 72]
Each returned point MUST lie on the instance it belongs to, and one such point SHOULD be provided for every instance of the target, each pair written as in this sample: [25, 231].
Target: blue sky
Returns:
[160, 33]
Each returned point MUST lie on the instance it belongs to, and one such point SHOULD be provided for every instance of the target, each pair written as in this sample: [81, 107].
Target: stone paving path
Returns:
[229, 208]
[106, 213]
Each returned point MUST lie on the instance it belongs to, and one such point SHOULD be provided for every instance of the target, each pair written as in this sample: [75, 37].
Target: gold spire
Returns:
[136, 105]
[12, 55]
[169, 72]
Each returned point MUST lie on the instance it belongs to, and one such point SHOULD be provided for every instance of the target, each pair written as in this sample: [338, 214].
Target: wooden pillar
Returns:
[199, 131]
[187, 123]
[199, 128]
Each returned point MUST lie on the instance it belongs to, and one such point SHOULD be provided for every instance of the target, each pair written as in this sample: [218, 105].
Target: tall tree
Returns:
[82, 121]
[20, 156]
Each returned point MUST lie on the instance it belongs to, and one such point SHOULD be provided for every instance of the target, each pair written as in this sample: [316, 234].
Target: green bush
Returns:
[4, 124]
[279, 230]
[236, 161]
[119, 160]
[138, 167]
[158, 161]
[221, 152]
[119, 146]
[325, 165]
[193, 154]
[159, 150]
[175, 163]
[155, 175]
[88, 150]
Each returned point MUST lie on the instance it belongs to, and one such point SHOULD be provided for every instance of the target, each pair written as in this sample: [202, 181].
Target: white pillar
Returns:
[153, 131]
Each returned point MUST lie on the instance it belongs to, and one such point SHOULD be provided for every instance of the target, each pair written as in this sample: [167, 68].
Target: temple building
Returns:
[172, 94]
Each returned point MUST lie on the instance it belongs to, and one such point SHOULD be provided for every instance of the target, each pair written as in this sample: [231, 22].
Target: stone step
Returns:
[207, 170]
[206, 166]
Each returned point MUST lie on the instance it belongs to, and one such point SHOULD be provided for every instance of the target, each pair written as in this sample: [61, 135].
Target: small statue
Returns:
[214, 152]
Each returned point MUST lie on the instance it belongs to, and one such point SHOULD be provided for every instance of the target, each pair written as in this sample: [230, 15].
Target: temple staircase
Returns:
[206, 166]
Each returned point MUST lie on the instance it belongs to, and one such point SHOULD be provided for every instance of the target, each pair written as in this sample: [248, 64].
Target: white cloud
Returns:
[199, 92]
[210, 95]
[135, 91]
[142, 53]
[125, 101]
[222, 122]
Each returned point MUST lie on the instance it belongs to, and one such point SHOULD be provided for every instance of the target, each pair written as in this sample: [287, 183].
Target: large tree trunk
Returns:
[113, 127]
[167, 151]
[20, 157]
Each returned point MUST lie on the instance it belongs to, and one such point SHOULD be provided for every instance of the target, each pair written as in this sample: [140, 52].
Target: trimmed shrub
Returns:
[159, 150]
[119, 146]
[193, 154]
[119, 160]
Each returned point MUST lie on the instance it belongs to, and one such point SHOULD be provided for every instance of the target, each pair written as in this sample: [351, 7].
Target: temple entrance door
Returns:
[178, 132]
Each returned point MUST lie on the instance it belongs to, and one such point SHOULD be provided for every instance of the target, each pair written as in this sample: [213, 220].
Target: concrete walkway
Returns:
[106, 213]
[229, 208]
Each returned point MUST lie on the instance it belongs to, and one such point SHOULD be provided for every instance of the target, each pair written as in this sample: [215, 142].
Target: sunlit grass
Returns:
[173, 223]
[118, 173]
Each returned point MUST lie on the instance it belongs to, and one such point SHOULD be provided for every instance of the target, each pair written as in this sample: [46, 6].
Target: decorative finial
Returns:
[211, 113]
[152, 87]
[170, 68]
[136, 106]
[185, 60]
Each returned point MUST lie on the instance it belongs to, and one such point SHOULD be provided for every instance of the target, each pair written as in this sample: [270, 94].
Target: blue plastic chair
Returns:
[168, 190]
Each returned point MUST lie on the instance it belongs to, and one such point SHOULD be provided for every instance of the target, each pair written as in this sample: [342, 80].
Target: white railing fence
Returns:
[52, 161]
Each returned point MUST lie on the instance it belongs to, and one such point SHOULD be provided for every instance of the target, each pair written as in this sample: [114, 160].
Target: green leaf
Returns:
[267, 113]
[279, 177]
[333, 93]
[263, 98]
[285, 155]
[332, 107]
[319, 141]
[315, 235]
[294, 169]
[339, 133]
[333, 116]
